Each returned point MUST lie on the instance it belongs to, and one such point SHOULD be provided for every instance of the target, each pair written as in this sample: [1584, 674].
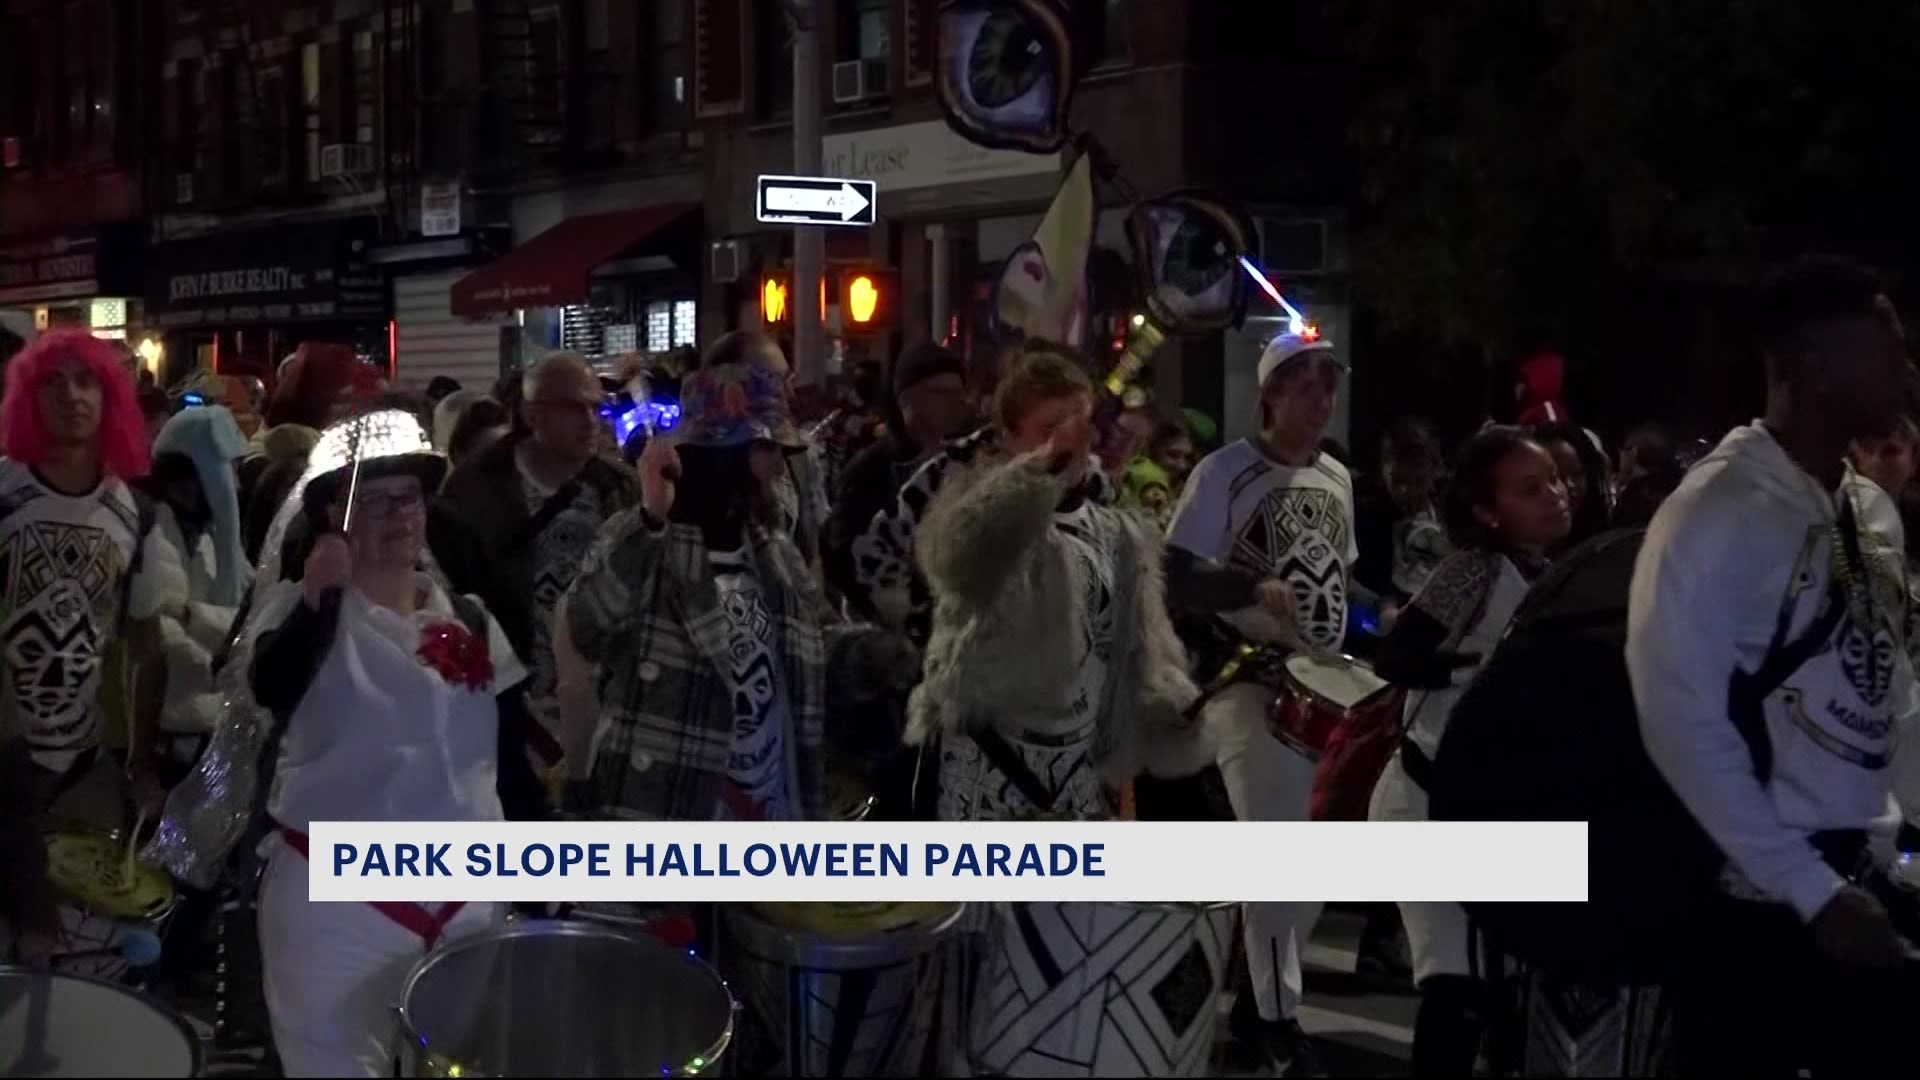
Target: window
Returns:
[1110, 41]
[23, 102]
[270, 127]
[365, 88]
[683, 325]
[310, 104]
[773, 61]
[666, 77]
[863, 30]
[659, 327]
[189, 102]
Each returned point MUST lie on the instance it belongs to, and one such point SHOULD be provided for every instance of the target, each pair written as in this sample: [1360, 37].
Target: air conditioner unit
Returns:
[724, 259]
[346, 159]
[859, 80]
[183, 188]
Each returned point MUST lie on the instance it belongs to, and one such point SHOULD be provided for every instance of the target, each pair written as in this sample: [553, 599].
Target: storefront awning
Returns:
[554, 267]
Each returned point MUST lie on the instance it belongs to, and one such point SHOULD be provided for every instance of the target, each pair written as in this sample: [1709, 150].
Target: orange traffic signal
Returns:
[776, 299]
[773, 299]
[869, 299]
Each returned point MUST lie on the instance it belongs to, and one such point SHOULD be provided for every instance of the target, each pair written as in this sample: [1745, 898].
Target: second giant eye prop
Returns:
[1008, 69]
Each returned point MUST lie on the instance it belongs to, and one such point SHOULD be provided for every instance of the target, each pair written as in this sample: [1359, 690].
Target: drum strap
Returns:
[423, 924]
[1014, 767]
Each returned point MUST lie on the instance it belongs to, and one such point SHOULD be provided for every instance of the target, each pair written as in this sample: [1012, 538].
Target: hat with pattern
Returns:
[734, 405]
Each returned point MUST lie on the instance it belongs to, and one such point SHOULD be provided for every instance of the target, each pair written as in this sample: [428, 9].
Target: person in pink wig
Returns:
[71, 436]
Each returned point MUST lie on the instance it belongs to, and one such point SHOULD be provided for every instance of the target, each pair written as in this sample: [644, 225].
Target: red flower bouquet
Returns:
[451, 650]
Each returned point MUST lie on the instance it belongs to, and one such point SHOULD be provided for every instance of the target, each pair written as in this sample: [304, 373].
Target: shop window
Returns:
[659, 327]
[683, 323]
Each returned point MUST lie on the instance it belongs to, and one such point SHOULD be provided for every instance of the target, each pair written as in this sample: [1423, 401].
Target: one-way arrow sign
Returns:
[815, 200]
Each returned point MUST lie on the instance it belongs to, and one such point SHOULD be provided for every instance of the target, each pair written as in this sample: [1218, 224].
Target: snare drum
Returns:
[1101, 989]
[100, 905]
[1322, 694]
[843, 989]
[562, 999]
[65, 1025]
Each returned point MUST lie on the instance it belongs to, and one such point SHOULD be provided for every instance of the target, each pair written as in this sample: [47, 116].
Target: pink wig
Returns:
[123, 430]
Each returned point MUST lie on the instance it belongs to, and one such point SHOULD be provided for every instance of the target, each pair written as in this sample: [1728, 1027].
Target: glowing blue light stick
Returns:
[1295, 321]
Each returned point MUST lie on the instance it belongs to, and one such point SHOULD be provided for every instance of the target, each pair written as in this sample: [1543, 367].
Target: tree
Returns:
[1523, 165]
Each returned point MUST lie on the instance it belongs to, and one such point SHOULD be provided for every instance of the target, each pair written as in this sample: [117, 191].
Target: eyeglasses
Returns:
[377, 505]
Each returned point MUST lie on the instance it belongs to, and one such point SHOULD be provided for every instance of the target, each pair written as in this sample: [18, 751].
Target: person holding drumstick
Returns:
[378, 697]
[1504, 509]
[1263, 536]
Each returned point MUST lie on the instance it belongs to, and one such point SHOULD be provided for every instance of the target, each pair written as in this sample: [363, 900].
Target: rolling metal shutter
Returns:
[433, 341]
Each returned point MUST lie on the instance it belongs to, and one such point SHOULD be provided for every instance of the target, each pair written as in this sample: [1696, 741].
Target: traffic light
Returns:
[869, 299]
[776, 299]
[773, 298]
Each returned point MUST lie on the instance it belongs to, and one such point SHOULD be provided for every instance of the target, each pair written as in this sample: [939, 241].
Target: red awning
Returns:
[553, 268]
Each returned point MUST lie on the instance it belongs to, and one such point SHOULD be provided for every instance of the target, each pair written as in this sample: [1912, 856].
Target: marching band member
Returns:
[1030, 580]
[1275, 513]
[72, 532]
[373, 695]
[1800, 964]
[695, 650]
[1504, 509]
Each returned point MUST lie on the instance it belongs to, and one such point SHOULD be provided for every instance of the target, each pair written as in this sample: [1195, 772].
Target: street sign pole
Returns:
[809, 247]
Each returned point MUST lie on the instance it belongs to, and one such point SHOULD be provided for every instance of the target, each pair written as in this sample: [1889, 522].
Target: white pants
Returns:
[333, 973]
[1267, 781]
[1436, 931]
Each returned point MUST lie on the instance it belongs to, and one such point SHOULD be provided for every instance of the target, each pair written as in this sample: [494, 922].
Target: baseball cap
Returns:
[1288, 347]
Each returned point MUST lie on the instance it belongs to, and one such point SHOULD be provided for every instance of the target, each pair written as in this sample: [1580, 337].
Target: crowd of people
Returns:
[1002, 594]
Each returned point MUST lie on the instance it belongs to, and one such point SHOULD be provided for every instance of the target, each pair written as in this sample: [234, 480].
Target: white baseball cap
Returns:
[1289, 347]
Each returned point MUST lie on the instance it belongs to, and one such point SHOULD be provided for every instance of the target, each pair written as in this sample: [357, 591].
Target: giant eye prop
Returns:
[1008, 69]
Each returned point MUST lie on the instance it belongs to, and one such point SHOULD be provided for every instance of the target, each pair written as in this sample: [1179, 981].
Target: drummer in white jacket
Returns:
[1759, 547]
[385, 691]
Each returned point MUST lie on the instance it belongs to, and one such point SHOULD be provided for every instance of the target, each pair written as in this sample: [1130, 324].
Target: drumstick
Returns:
[133, 848]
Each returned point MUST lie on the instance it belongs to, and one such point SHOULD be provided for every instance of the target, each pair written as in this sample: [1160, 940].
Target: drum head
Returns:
[64, 1025]
[1342, 683]
[566, 999]
[849, 919]
[89, 868]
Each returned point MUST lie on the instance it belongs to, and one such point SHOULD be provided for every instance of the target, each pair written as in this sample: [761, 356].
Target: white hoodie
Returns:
[1747, 536]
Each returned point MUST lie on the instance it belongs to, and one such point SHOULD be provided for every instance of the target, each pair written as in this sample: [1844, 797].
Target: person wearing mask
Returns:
[800, 490]
[1800, 964]
[1583, 468]
[73, 534]
[514, 523]
[695, 648]
[1505, 509]
[929, 406]
[1032, 582]
[369, 693]
[1264, 537]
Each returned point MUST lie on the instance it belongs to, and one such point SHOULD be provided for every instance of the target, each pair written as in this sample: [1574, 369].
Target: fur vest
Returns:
[1009, 625]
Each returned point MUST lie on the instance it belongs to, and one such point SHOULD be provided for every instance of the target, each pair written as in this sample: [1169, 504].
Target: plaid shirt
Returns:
[645, 611]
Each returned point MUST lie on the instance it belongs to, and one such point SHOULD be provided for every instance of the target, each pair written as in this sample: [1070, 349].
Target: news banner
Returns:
[1163, 862]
